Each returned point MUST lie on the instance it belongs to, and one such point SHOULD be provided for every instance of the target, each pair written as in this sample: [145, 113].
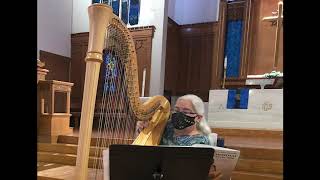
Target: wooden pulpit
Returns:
[54, 115]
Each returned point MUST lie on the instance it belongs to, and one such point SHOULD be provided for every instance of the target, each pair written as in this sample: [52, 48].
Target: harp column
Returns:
[99, 17]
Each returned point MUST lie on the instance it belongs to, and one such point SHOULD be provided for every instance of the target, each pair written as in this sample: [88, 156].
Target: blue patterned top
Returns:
[168, 138]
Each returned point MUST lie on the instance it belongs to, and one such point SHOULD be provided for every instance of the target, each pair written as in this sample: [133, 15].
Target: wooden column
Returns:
[218, 57]
[68, 103]
[51, 100]
[246, 40]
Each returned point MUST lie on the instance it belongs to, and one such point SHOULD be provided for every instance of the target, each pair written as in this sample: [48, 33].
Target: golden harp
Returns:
[121, 108]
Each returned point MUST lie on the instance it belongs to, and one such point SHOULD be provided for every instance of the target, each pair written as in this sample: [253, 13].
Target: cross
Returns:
[276, 20]
[279, 23]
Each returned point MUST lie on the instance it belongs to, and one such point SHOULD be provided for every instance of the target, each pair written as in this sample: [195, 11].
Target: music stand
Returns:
[129, 162]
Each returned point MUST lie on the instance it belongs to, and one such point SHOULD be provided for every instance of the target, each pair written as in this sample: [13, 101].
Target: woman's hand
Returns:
[140, 126]
[214, 174]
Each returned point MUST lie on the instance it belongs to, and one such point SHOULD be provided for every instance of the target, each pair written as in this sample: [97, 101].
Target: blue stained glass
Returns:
[244, 98]
[115, 7]
[124, 13]
[233, 47]
[111, 72]
[112, 87]
[231, 98]
[95, 1]
[238, 98]
[134, 12]
[130, 9]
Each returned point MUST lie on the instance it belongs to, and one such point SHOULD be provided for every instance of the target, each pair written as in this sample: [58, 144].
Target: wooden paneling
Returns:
[248, 132]
[142, 37]
[246, 39]
[57, 65]
[196, 58]
[240, 11]
[263, 39]
[189, 58]
[219, 43]
[79, 47]
[172, 57]
[195, 53]
[59, 69]
[258, 41]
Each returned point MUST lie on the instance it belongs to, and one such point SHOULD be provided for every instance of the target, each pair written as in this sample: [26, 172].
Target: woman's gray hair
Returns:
[198, 107]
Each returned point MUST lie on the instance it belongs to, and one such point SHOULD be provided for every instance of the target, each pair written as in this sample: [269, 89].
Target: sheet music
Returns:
[225, 160]
[106, 169]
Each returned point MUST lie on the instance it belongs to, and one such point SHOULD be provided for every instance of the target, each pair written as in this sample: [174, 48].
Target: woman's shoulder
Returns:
[193, 139]
[167, 134]
[200, 139]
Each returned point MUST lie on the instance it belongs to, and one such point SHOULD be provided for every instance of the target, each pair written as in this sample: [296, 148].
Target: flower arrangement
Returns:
[273, 74]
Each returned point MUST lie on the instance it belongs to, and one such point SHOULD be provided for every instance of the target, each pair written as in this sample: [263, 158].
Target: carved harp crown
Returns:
[110, 39]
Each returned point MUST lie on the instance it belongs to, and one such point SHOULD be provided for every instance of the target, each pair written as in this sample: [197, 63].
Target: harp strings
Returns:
[102, 121]
[116, 120]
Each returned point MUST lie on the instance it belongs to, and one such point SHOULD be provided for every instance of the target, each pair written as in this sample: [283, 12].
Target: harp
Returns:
[121, 107]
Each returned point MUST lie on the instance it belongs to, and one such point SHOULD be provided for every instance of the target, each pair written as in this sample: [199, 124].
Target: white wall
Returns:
[192, 12]
[80, 18]
[152, 12]
[156, 13]
[54, 26]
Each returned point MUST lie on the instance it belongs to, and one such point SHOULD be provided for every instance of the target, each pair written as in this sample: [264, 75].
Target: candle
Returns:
[143, 81]
[225, 62]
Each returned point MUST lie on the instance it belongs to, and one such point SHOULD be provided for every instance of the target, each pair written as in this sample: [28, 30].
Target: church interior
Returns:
[227, 52]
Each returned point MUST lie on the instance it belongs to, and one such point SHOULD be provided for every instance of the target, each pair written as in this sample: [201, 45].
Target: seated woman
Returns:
[187, 125]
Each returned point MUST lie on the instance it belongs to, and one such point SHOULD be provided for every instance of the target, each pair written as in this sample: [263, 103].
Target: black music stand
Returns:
[132, 162]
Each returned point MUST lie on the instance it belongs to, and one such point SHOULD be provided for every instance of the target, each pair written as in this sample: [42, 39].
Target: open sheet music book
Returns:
[224, 159]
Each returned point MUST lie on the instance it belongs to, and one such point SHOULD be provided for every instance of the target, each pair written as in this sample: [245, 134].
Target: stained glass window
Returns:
[115, 7]
[233, 47]
[111, 73]
[124, 14]
[233, 41]
[130, 9]
[134, 12]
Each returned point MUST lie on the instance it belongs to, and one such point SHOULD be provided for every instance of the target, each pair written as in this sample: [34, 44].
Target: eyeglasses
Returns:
[188, 113]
